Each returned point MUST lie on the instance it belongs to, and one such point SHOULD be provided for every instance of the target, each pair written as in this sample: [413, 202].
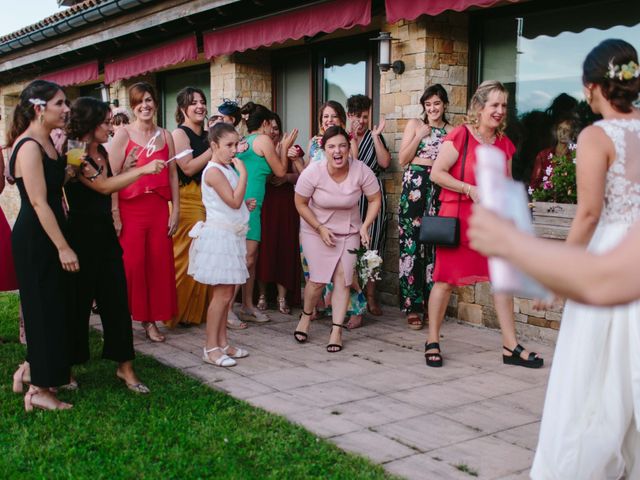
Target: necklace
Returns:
[481, 138]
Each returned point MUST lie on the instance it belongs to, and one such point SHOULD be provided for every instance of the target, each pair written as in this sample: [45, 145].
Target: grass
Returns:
[463, 467]
[182, 430]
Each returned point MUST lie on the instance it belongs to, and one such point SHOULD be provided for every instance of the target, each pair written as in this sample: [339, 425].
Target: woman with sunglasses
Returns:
[147, 222]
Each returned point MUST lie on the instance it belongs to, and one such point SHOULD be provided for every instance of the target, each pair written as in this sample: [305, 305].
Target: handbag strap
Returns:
[464, 161]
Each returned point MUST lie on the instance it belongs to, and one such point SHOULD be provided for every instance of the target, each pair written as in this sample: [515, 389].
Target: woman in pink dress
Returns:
[461, 265]
[327, 198]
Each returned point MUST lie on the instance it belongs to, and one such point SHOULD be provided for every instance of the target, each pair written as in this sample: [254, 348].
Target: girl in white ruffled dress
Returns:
[218, 251]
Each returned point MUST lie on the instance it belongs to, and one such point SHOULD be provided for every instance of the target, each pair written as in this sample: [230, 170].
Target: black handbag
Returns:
[444, 231]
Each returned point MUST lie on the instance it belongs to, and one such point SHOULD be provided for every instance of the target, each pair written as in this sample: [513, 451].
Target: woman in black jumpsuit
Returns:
[42, 255]
[94, 238]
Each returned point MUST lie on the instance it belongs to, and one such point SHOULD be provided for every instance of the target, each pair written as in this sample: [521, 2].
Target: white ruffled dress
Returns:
[217, 255]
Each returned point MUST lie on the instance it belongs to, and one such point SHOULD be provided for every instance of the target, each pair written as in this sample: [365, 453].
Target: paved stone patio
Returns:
[377, 398]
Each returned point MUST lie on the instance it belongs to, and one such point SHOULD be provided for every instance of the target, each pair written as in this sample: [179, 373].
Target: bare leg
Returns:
[262, 296]
[372, 303]
[216, 319]
[339, 303]
[125, 372]
[282, 299]
[312, 293]
[44, 399]
[247, 288]
[438, 301]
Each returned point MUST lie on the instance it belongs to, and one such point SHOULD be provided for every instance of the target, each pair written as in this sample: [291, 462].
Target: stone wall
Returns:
[242, 77]
[434, 50]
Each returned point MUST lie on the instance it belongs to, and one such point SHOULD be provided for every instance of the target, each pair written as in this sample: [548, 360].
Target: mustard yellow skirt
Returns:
[193, 297]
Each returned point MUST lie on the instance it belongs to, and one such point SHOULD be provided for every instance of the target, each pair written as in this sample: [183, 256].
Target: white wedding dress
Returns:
[591, 413]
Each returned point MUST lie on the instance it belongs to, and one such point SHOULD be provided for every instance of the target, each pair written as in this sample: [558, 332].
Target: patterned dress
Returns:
[419, 197]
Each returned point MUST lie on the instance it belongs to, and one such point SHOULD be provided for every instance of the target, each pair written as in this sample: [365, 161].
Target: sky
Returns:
[26, 12]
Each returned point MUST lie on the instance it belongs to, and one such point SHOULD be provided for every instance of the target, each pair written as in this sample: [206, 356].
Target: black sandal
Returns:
[334, 347]
[438, 361]
[302, 337]
[515, 359]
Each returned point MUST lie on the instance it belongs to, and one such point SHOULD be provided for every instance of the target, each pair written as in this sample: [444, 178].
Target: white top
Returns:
[217, 210]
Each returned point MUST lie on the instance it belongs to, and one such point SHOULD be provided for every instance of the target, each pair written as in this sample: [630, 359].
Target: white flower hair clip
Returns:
[623, 72]
[120, 111]
[37, 101]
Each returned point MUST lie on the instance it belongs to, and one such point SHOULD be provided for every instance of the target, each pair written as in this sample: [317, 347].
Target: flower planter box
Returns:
[552, 220]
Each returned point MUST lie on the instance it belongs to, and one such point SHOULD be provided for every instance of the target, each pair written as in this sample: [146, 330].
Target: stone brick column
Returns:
[242, 77]
[434, 50]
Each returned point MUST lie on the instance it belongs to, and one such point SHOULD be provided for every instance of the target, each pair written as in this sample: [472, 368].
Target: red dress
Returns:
[148, 250]
[8, 279]
[461, 265]
[279, 251]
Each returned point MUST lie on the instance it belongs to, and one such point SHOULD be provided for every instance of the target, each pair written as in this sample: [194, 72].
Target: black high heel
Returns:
[301, 337]
[334, 347]
[438, 361]
[533, 361]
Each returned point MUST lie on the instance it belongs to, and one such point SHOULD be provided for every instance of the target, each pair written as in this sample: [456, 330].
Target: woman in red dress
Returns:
[143, 209]
[279, 251]
[462, 265]
[8, 279]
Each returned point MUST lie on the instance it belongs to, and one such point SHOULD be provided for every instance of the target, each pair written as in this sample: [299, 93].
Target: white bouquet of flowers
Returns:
[368, 265]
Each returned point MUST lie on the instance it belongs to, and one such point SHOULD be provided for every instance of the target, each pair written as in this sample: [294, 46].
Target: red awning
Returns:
[74, 75]
[411, 9]
[151, 60]
[307, 21]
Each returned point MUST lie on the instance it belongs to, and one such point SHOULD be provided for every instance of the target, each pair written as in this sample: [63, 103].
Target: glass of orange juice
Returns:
[75, 151]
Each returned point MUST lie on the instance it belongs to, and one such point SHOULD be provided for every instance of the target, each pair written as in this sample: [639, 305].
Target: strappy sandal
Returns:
[533, 361]
[240, 352]
[140, 388]
[262, 303]
[283, 307]
[335, 347]
[429, 357]
[223, 360]
[299, 335]
[414, 322]
[153, 334]
[253, 315]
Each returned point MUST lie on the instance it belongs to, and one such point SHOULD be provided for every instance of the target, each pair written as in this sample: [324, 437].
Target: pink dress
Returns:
[335, 205]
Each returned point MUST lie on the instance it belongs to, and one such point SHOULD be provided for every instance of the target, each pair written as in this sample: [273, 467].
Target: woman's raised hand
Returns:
[378, 129]
[424, 130]
[131, 159]
[239, 166]
[289, 138]
[68, 259]
[153, 167]
[327, 236]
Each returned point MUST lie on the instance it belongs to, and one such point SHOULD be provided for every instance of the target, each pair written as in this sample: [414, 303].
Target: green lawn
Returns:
[182, 430]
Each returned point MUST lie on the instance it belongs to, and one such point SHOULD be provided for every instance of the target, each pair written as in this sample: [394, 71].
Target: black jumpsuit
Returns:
[93, 237]
[43, 283]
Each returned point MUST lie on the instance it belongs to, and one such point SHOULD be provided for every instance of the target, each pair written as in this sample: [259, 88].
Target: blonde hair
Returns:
[479, 100]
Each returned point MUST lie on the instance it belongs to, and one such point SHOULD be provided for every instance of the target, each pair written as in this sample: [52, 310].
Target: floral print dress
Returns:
[419, 197]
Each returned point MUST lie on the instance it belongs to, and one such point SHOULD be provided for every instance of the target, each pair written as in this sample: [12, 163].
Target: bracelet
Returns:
[468, 190]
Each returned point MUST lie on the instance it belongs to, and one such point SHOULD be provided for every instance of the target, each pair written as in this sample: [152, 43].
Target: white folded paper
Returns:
[507, 198]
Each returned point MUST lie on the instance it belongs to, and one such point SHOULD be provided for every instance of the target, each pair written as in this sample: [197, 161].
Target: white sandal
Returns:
[240, 352]
[223, 361]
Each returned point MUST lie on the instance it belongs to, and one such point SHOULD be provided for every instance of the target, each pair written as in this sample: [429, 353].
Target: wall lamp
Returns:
[384, 54]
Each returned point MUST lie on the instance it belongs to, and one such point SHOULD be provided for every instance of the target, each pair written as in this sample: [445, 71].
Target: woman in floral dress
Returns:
[420, 146]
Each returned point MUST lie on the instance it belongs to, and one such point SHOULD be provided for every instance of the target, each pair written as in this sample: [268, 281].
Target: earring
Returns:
[41, 118]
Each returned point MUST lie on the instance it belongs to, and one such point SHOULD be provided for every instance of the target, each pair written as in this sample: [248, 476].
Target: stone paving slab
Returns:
[473, 418]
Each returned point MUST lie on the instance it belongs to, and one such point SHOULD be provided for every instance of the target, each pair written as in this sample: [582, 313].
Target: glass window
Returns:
[538, 53]
[344, 74]
[293, 94]
[173, 82]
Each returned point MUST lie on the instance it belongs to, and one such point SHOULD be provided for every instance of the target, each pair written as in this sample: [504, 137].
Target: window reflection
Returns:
[538, 56]
[345, 74]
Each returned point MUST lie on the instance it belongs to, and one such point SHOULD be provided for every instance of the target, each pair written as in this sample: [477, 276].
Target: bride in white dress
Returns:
[591, 420]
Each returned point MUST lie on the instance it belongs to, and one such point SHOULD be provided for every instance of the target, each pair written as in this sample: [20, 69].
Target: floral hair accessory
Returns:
[120, 111]
[228, 107]
[623, 72]
[37, 101]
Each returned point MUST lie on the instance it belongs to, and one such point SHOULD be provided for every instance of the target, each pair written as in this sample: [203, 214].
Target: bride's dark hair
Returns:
[620, 93]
